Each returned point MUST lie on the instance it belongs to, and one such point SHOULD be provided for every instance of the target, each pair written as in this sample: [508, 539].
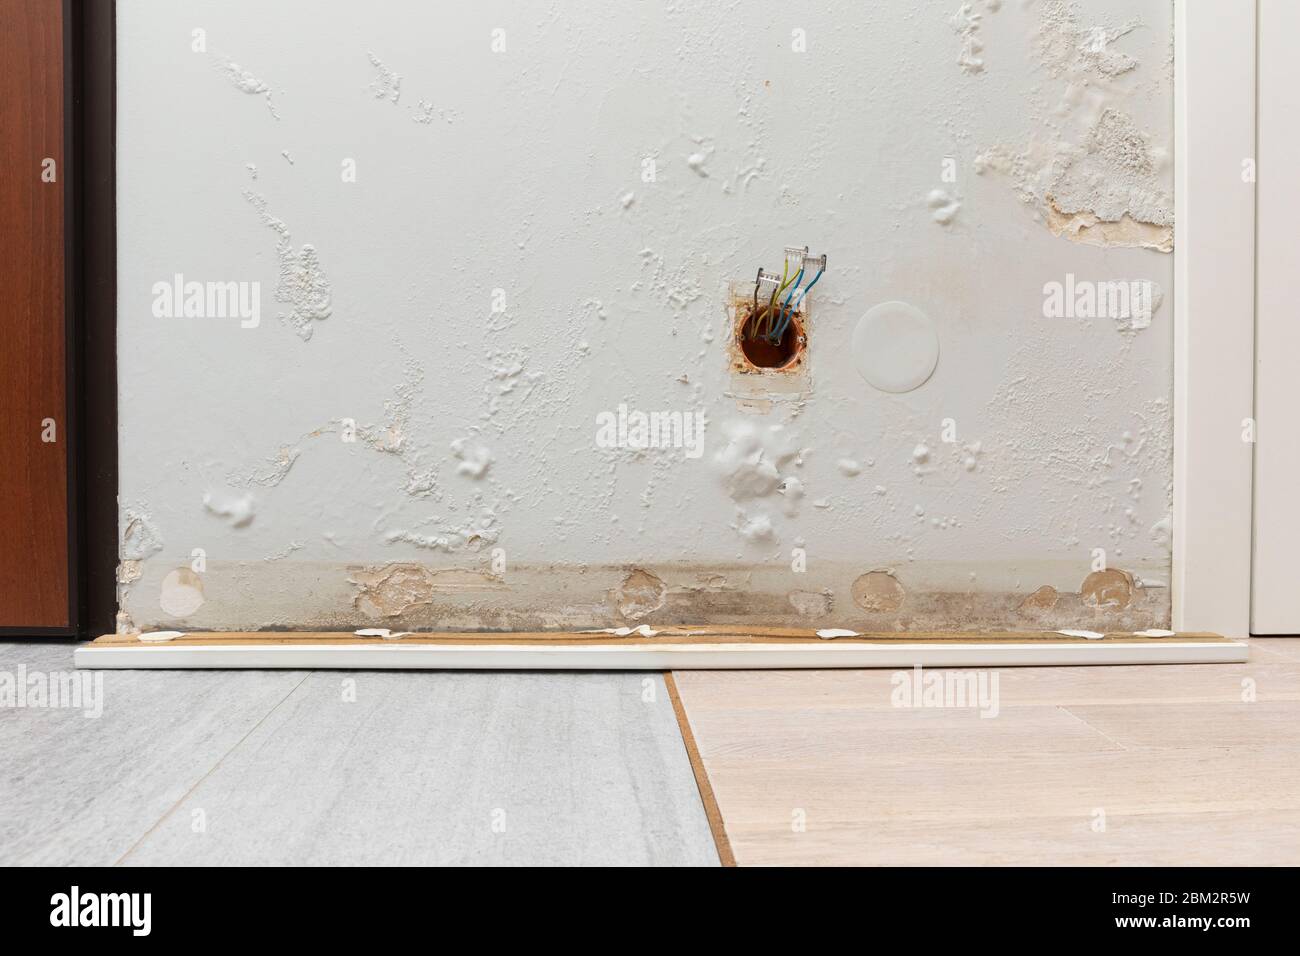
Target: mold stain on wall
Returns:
[576, 235]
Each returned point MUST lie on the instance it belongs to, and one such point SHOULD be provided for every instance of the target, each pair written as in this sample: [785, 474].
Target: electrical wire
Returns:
[767, 312]
[789, 314]
[774, 335]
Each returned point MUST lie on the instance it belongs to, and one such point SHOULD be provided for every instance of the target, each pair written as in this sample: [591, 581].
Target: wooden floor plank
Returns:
[819, 767]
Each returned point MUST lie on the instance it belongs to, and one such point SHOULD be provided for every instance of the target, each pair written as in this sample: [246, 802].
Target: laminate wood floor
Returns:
[1168, 765]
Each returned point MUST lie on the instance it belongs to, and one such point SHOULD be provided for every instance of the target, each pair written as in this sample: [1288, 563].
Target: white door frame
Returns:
[1274, 598]
[1214, 313]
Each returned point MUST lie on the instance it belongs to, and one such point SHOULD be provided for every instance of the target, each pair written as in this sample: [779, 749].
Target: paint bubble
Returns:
[895, 347]
[182, 593]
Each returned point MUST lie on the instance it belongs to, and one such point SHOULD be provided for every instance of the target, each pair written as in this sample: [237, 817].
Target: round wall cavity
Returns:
[641, 593]
[878, 591]
[895, 347]
[760, 353]
[182, 593]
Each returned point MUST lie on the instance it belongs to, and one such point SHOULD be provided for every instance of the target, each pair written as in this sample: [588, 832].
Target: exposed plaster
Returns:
[1089, 171]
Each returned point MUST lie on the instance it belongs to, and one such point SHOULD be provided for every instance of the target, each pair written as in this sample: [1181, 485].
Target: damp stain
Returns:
[393, 589]
[1111, 588]
[1043, 599]
[640, 593]
[878, 591]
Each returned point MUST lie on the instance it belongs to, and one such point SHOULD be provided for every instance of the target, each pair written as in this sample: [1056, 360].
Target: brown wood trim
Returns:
[711, 809]
[36, 582]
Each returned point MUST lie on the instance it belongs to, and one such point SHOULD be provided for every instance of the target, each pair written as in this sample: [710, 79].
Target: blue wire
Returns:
[785, 319]
[772, 335]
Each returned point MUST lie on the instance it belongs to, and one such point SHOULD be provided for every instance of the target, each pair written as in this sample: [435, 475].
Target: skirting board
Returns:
[674, 649]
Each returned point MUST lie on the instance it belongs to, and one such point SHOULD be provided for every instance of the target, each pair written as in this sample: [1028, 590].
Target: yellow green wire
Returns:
[771, 303]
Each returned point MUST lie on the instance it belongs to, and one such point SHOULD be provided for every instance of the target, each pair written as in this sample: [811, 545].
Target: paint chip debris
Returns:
[1088, 635]
[159, 637]
[830, 633]
[383, 632]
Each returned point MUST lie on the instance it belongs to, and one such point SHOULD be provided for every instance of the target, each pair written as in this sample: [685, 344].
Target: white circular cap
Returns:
[895, 347]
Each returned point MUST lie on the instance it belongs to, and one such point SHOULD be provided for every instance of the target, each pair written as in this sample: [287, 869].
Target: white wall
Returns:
[516, 191]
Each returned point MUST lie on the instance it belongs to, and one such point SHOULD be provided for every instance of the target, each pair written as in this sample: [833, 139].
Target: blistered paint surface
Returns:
[481, 231]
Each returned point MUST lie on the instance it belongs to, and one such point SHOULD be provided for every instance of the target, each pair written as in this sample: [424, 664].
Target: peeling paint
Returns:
[1043, 599]
[124, 624]
[1109, 588]
[302, 284]
[140, 538]
[878, 591]
[391, 590]
[615, 270]
[814, 604]
[245, 82]
[966, 23]
[943, 206]
[237, 510]
[1090, 171]
[640, 594]
[386, 85]
[1066, 48]
[128, 572]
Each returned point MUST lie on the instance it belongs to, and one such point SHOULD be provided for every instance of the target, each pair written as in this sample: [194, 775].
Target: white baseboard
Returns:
[657, 657]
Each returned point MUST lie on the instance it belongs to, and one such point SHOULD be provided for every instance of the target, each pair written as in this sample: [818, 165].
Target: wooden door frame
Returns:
[93, 43]
[89, 181]
[66, 178]
[1274, 607]
[1214, 313]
